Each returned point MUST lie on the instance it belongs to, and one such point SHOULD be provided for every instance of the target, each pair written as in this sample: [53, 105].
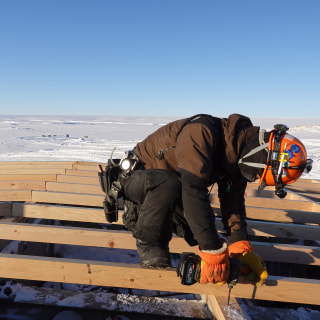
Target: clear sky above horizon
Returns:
[160, 57]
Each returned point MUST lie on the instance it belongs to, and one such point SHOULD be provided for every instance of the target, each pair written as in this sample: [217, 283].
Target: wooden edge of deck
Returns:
[112, 274]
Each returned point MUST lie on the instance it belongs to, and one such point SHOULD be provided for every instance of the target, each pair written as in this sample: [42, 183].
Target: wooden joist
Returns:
[132, 276]
[73, 187]
[96, 215]
[15, 195]
[68, 198]
[23, 185]
[123, 240]
[28, 177]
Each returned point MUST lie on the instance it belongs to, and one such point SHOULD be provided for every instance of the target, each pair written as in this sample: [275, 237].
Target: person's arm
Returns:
[233, 211]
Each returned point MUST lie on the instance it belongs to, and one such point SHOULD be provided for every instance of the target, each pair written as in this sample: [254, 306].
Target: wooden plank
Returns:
[15, 195]
[270, 229]
[218, 306]
[28, 177]
[124, 240]
[78, 179]
[66, 235]
[86, 167]
[68, 198]
[112, 274]
[22, 185]
[280, 215]
[74, 188]
[275, 203]
[84, 173]
[282, 230]
[32, 170]
[59, 212]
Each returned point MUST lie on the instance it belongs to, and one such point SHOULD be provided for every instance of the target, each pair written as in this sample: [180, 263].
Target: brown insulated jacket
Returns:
[204, 150]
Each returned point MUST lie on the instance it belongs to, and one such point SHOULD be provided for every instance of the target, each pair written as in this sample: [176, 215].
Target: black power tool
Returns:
[189, 269]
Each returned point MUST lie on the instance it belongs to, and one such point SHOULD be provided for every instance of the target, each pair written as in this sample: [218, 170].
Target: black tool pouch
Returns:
[110, 185]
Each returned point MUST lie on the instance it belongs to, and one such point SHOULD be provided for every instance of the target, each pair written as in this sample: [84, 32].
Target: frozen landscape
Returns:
[92, 138]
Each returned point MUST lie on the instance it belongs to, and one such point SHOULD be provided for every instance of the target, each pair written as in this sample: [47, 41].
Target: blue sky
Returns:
[160, 57]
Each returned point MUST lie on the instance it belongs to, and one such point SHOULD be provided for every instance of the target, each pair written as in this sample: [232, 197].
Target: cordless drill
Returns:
[189, 269]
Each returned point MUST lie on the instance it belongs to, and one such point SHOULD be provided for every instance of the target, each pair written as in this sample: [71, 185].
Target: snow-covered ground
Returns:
[88, 138]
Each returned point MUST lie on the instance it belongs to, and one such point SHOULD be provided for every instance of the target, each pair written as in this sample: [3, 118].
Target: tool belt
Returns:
[112, 179]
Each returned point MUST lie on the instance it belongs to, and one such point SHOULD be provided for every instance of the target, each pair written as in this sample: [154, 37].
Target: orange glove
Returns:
[215, 265]
[252, 265]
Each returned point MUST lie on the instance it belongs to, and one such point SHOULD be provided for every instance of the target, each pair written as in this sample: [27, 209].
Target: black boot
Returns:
[152, 256]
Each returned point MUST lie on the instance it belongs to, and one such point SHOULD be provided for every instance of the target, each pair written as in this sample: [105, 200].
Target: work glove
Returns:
[215, 265]
[251, 264]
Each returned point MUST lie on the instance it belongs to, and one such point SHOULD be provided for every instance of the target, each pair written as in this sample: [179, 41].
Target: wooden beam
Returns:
[83, 173]
[124, 240]
[112, 274]
[270, 229]
[59, 212]
[22, 185]
[279, 215]
[74, 188]
[28, 177]
[78, 179]
[306, 205]
[15, 195]
[86, 167]
[68, 198]
[283, 230]
[32, 170]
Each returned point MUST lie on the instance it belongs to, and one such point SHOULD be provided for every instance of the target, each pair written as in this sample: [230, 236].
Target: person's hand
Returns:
[215, 266]
[251, 264]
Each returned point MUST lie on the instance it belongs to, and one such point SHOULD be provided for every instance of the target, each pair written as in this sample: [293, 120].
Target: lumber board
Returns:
[257, 228]
[283, 230]
[270, 229]
[305, 205]
[113, 274]
[59, 212]
[28, 177]
[33, 170]
[74, 187]
[86, 167]
[280, 215]
[15, 195]
[124, 240]
[22, 185]
[68, 198]
[84, 173]
[78, 179]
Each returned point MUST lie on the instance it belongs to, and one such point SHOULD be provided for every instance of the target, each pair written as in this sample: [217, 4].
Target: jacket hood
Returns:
[238, 130]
